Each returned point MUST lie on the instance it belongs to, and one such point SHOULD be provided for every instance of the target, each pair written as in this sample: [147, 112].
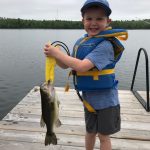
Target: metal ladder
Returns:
[145, 103]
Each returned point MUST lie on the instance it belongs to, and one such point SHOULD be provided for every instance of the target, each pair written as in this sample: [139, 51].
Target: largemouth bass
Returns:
[50, 111]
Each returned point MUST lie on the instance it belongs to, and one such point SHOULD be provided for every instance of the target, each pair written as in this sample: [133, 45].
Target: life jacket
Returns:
[94, 79]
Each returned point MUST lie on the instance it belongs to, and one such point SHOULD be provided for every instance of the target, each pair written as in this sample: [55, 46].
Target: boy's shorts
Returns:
[106, 121]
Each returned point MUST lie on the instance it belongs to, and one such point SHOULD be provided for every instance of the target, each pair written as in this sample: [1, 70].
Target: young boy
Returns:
[98, 53]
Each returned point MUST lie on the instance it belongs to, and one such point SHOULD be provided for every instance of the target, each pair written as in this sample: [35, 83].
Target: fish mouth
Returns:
[48, 89]
[44, 87]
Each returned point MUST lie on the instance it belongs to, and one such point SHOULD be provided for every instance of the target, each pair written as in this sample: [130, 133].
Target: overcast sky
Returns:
[70, 9]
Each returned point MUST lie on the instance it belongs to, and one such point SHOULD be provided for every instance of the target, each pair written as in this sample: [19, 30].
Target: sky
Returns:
[70, 9]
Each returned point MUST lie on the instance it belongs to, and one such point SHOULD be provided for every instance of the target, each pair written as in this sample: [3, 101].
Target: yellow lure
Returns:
[50, 63]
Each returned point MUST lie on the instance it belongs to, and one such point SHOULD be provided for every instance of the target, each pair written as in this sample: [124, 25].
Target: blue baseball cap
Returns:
[102, 3]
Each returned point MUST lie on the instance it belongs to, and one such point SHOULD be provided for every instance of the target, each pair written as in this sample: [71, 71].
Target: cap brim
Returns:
[107, 9]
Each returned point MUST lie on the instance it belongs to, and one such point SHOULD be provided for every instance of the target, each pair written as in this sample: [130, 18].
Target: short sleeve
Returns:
[102, 55]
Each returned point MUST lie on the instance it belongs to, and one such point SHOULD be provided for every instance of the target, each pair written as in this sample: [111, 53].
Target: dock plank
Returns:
[20, 128]
[69, 140]
[73, 129]
[78, 120]
[26, 110]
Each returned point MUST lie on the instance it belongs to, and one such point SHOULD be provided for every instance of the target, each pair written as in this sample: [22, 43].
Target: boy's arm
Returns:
[74, 63]
[60, 64]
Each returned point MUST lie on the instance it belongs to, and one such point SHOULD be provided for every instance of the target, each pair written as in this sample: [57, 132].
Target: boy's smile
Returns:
[95, 21]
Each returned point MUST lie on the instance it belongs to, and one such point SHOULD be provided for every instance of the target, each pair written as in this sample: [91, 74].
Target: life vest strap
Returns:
[120, 35]
[67, 87]
[93, 73]
[88, 106]
[96, 73]
[85, 103]
[50, 63]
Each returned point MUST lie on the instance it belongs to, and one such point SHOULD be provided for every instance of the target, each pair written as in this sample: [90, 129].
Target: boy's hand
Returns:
[50, 50]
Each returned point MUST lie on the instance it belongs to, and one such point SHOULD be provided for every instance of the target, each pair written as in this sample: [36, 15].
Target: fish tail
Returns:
[50, 139]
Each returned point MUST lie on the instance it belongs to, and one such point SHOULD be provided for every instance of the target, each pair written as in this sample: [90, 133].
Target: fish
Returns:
[50, 111]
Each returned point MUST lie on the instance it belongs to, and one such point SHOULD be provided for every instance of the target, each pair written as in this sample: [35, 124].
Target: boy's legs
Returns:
[105, 142]
[106, 122]
[90, 140]
[91, 129]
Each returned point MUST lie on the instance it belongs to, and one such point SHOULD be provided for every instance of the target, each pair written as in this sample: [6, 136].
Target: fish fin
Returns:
[50, 139]
[42, 123]
[58, 123]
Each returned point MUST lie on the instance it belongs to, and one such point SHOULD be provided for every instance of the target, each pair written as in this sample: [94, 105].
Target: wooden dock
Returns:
[20, 129]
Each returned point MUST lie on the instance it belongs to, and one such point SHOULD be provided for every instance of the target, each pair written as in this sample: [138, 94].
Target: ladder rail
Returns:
[146, 103]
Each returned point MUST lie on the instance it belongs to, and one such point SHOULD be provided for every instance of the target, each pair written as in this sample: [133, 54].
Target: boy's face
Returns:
[95, 21]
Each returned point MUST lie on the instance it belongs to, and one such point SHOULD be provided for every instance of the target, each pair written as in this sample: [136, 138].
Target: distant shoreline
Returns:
[9, 23]
[50, 29]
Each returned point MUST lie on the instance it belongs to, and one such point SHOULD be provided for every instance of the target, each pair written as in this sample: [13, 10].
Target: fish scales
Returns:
[50, 112]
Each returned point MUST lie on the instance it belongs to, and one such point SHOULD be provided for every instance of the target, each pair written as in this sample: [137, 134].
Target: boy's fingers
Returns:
[47, 44]
[46, 48]
[45, 52]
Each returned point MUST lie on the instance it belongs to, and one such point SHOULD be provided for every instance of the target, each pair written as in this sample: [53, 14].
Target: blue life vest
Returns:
[105, 78]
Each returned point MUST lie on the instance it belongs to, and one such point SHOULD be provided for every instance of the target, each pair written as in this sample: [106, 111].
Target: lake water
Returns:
[22, 61]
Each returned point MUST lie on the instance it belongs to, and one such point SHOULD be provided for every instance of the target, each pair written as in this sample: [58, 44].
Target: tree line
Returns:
[9, 23]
